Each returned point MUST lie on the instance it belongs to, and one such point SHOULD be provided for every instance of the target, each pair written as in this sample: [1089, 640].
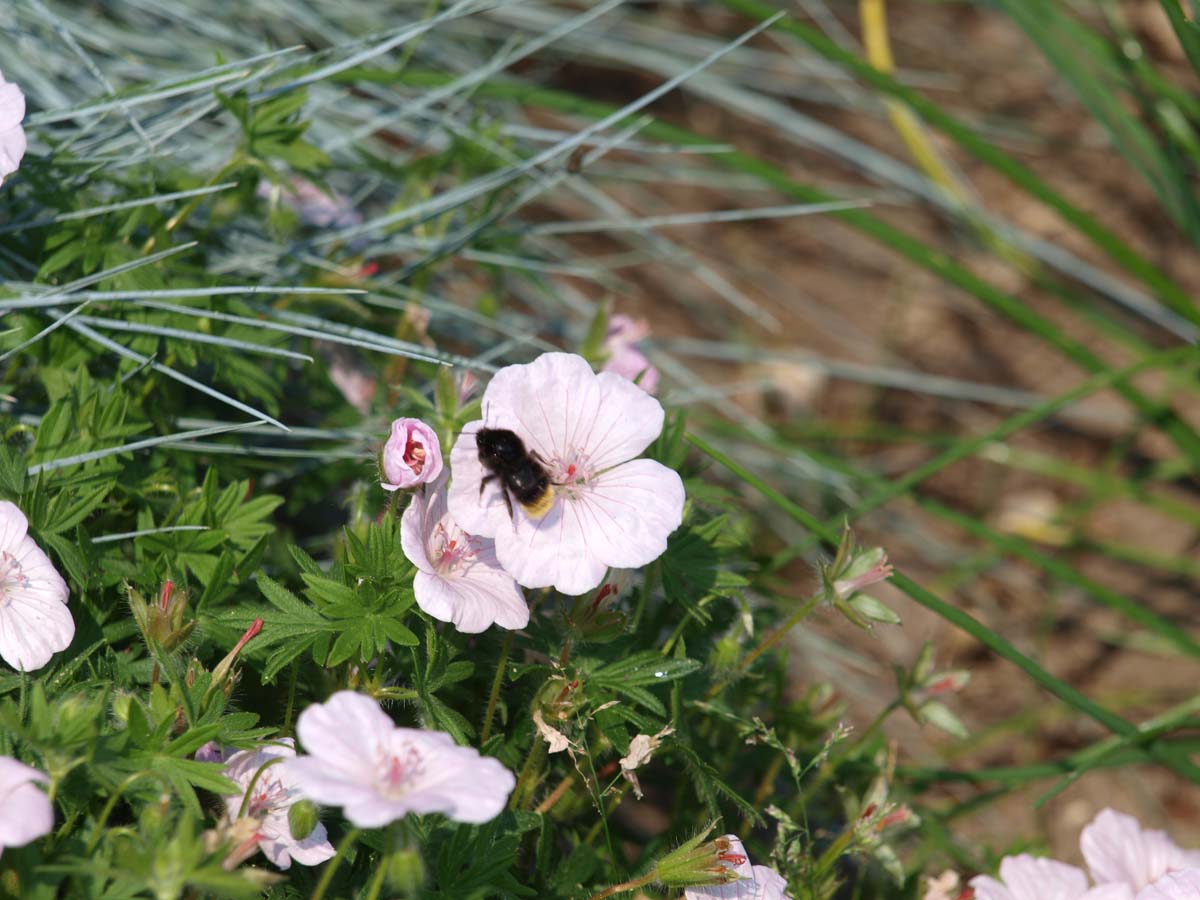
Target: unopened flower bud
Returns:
[406, 871]
[302, 819]
[696, 862]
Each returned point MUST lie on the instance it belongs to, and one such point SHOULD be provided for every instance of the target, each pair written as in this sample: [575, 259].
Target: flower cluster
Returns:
[1126, 862]
[474, 547]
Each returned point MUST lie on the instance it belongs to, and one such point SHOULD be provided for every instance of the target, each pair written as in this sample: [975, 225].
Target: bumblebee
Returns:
[522, 473]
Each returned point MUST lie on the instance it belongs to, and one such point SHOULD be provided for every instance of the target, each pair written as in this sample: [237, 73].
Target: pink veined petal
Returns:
[478, 509]
[25, 814]
[12, 150]
[473, 599]
[1181, 885]
[13, 526]
[34, 625]
[459, 782]
[1118, 849]
[557, 403]
[553, 551]
[621, 519]
[988, 888]
[1110, 891]
[414, 531]
[12, 105]
[375, 811]
[281, 848]
[1034, 878]
[315, 779]
[37, 568]
[344, 732]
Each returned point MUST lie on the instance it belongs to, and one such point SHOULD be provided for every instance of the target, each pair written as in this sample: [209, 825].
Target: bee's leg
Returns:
[512, 514]
[484, 483]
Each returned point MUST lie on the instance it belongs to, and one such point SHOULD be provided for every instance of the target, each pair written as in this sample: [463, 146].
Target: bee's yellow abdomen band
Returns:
[541, 505]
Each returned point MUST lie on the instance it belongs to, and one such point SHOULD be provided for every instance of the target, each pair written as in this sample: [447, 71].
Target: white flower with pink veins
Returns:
[378, 773]
[459, 579]
[754, 882]
[34, 620]
[25, 812]
[1126, 861]
[608, 509]
[272, 797]
[12, 135]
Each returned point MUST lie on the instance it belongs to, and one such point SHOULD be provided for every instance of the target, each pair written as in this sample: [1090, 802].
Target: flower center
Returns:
[11, 576]
[398, 770]
[269, 794]
[414, 455]
[451, 547]
[570, 471]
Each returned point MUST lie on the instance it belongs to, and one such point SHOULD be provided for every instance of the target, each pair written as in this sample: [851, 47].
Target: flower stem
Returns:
[768, 642]
[623, 887]
[332, 866]
[496, 684]
[377, 881]
[291, 701]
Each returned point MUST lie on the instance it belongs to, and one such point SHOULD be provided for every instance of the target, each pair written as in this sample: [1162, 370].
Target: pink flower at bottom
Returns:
[754, 883]
[458, 579]
[609, 509]
[378, 773]
[411, 456]
[273, 795]
[12, 135]
[25, 812]
[311, 204]
[1119, 851]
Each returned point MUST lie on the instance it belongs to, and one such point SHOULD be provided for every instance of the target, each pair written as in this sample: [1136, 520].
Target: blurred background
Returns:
[847, 279]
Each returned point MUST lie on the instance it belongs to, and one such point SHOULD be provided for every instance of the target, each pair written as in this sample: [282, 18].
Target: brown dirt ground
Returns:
[906, 316]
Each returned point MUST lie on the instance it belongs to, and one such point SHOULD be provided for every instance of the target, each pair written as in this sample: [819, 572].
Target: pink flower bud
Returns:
[411, 456]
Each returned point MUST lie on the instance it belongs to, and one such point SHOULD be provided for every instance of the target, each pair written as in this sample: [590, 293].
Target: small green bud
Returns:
[302, 819]
[406, 871]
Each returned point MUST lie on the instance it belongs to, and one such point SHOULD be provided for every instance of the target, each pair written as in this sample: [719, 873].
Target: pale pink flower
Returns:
[1119, 851]
[25, 812]
[754, 883]
[1182, 885]
[411, 456]
[608, 510]
[34, 620]
[458, 578]
[378, 773]
[274, 793]
[1026, 877]
[12, 135]
[311, 204]
[624, 358]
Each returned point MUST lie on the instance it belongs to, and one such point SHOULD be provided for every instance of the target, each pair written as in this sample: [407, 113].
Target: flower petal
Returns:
[621, 519]
[473, 599]
[25, 811]
[477, 508]
[459, 782]
[1182, 885]
[1118, 849]
[13, 526]
[557, 403]
[414, 529]
[1033, 878]
[34, 625]
[342, 733]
